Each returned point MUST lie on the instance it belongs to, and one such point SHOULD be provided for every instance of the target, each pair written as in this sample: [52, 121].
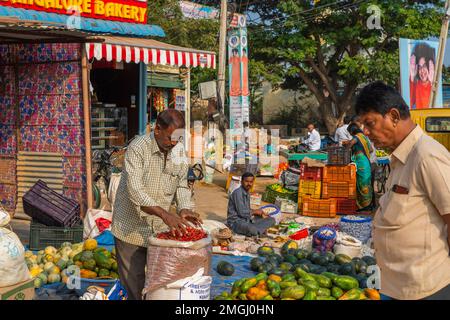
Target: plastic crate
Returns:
[271, 195]
[49, 207]
[340, 173]
[319, 208]
[43, 236]
[338, 189]
[339, 156]
[310, 173]
[311, 188]
[346, 206]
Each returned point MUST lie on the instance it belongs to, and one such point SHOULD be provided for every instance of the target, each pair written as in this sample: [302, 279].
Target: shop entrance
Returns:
[114, 106]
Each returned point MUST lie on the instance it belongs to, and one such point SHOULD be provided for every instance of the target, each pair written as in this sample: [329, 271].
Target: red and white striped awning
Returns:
[148, 51]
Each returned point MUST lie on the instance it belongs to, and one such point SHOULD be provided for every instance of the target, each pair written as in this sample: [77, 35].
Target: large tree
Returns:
[326, 46]
[329, 49]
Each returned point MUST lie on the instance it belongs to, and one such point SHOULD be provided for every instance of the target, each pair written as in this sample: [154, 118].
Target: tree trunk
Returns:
[328, 118]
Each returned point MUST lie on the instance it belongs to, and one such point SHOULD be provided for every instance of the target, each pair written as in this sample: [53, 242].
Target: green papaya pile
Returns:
[297, 274]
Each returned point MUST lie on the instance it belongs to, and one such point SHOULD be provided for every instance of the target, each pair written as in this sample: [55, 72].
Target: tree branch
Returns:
[325, 80]
[310, 84]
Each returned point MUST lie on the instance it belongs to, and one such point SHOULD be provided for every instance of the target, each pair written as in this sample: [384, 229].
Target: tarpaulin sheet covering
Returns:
[223, 283]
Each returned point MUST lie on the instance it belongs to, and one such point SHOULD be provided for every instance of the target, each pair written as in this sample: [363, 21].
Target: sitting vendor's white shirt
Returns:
[342, 134]
[313, 142]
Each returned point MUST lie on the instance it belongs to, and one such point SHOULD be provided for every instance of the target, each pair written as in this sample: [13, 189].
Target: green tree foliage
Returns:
[328, 49]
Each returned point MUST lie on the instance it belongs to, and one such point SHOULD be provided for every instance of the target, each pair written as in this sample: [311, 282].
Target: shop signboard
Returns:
[180, 100]
[132, 11]
[417, 68]
[238, 71]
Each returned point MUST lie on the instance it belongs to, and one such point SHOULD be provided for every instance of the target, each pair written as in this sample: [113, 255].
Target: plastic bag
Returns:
[90, 226]
[13, 268]
[113, 186]
[169, 261]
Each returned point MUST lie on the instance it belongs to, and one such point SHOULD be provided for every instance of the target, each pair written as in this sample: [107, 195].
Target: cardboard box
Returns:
[20, 291]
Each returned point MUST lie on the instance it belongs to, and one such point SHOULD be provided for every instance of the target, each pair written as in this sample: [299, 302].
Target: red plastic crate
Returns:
[346, 206]
[338, 189]
[310, 173]
[319, 208]
[340, 173]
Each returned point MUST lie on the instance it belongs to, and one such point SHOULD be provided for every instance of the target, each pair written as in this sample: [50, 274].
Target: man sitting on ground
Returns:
[241, 218]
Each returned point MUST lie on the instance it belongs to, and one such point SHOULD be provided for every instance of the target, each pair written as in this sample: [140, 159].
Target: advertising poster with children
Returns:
[417, 70]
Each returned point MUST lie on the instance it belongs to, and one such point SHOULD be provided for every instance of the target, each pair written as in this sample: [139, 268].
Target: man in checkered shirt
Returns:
[155, 172]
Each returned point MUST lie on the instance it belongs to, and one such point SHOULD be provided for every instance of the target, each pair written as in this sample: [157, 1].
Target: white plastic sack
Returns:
[90, 229]
[211, 226]
[5, 218]
[13, 268]
[348, 245]
[113, 186]
[196, 287]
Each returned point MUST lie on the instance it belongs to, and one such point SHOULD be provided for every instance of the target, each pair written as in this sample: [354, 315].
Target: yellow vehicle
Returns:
[435, 123]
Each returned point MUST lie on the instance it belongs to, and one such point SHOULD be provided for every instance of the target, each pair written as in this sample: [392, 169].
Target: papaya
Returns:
[311, 285]
[86, 255]
[323, 281]
[275, 278]
[103, 273]
[323, 292]
[346, 282]
[274, 288]
[88, 274]
[290, 244]
[261, 276]
[89, 264]
[370, 261]
[337, 292]
[114, 266]
[278, 272]
[372, 294]
[262, 284]
[287, 284]
[114, 275]
[301, 254]
[90, 244]
[310, 295]
[255, 293]
[237, 284]
[296, 292]
[353, 294]
[248, 284]
[288, 277]
[330, 275]
[325, 298]
[243, 296]
[103, 260]
[268, 297]
[290, 258]
[235, 293]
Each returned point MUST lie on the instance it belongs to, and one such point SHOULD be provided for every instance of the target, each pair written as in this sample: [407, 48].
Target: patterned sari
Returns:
[361, 155]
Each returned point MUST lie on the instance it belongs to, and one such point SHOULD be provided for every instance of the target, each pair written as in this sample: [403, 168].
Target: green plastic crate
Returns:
[42, 236]
[272, 195]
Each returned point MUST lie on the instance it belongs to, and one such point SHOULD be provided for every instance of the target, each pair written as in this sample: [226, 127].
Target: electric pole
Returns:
[440, 59]
[222, 56]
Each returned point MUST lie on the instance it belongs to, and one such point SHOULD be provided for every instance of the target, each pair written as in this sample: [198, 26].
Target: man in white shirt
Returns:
[341, 133]
[313, 141]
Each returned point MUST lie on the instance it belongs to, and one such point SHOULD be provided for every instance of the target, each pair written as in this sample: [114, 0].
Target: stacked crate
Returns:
[327, 191]
[339, 182]
[310, 184]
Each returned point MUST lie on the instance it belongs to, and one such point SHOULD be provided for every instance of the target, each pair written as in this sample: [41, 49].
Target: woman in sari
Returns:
[361, 149]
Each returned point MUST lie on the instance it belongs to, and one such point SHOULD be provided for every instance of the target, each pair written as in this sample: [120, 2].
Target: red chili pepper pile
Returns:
[191, 234]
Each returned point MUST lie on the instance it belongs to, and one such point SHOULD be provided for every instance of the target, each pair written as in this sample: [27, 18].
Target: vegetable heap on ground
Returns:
[298, 274]
[192, 234]
[279, 188]
[51, 265]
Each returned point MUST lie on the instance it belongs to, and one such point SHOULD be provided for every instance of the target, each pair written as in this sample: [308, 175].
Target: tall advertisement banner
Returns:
[417, 68]
[238, 73]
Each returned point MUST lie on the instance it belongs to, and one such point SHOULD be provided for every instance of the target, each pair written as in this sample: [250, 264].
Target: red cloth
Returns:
[420, 94]
[102, 224]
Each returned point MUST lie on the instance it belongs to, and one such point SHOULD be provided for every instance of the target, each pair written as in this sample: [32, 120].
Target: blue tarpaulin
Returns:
[85, 24]
[223, 283]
